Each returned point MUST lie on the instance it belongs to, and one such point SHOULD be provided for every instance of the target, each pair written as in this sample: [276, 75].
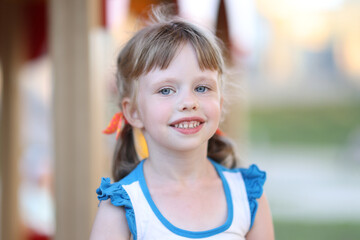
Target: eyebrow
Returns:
[164, 81]
[202, 78]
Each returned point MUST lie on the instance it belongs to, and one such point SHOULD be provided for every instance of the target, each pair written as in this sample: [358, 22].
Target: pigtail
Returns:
[125, 156]
[222, 151]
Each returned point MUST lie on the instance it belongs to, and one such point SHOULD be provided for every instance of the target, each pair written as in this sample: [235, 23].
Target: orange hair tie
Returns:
[219, 132]
[115, 124]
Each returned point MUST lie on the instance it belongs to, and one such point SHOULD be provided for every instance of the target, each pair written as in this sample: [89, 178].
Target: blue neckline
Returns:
[182, 232]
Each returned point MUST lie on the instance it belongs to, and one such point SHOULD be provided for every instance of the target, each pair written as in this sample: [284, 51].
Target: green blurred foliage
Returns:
[316, 231]
[312, 125]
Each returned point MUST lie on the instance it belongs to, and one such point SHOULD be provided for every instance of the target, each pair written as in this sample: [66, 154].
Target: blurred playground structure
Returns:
[296, 112]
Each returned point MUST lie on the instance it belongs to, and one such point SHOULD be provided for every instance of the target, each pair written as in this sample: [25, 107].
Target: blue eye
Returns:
[166, 91]
[201, 89]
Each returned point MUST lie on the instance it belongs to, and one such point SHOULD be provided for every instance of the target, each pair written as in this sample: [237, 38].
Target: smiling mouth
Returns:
[187, 124]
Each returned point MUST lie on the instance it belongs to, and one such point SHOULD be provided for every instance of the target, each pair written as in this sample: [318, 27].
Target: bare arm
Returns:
[110, 223]
[262, 228]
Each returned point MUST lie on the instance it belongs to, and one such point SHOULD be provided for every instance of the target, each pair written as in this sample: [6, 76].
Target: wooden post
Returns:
[77, 116]
[11, 57]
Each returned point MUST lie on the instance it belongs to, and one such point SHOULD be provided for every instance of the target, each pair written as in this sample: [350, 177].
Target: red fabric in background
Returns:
[36, 236]
[103, 14]
[35, 28]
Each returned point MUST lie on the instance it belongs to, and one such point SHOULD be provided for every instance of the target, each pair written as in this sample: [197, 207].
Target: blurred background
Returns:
[295, 111]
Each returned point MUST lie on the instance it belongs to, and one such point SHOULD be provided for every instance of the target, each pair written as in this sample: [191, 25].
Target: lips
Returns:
[188, 125]
[187, 120]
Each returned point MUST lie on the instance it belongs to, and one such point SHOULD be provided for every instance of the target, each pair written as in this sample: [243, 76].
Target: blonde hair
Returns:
[155, 46]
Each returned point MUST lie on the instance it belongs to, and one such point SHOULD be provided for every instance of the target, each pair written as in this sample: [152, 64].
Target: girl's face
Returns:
[179, 108]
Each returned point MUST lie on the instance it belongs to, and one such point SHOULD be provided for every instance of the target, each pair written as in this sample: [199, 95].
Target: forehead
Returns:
[184, 65]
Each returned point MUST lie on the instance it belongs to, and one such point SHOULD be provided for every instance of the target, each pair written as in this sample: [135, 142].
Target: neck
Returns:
[168, 165]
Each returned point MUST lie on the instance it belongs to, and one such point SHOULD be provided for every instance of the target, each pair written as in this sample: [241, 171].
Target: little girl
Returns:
[170, 81]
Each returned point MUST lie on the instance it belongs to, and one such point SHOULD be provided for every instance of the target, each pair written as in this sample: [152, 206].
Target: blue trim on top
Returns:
[133, 176]
[254, 180]
[186, 233]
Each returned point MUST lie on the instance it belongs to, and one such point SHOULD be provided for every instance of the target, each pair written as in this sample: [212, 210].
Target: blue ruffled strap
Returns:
[118, 197]
[254, 181]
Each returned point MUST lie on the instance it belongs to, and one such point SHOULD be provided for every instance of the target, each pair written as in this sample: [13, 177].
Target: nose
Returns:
[189, 102]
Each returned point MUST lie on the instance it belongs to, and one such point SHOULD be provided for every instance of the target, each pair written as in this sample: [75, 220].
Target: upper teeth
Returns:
[192, 124]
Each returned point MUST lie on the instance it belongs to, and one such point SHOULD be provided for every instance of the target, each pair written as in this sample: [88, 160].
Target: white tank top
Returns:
[241, 186]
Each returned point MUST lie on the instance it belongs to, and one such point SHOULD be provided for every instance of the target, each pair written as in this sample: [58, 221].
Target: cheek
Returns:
[213, 107]
[158, 111]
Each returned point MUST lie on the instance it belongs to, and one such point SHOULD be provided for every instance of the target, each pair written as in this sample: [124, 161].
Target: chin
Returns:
[188, 146]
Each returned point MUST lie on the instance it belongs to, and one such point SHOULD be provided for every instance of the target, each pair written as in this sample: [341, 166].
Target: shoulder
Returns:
[263, 225]
[110, 223]
[115, 213]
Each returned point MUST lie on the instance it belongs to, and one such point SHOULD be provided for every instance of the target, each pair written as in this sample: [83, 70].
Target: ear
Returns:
[131, 113]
